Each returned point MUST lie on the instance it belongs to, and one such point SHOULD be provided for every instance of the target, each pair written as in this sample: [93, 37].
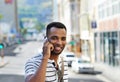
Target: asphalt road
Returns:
[11, 78]
[9, 51]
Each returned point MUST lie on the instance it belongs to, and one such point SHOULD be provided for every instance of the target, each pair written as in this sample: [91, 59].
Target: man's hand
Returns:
[47, 48]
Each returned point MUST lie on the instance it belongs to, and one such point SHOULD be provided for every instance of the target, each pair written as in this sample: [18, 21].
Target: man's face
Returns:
[57, 37]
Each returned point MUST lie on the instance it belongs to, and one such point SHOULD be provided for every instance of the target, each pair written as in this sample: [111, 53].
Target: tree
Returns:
[23, 31]
[39, 26]
[1, 16]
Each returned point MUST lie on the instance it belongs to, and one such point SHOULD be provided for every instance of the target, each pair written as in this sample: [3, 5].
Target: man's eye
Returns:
[53, 38]
[63, 39]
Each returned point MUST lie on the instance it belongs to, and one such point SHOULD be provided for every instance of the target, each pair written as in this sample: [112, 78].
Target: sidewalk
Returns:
[109, 72]
[2, 64]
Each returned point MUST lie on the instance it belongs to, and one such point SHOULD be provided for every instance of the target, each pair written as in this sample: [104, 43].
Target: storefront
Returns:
[107, 47]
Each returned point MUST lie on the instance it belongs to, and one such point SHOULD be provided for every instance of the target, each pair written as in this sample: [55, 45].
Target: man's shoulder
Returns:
[39, 56]
[36, 57]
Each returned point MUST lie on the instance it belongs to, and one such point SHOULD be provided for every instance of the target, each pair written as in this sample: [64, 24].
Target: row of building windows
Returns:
[109, 10]
[109, 47]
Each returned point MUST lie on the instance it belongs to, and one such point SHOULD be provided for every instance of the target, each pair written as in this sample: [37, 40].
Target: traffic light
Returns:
[1, 46]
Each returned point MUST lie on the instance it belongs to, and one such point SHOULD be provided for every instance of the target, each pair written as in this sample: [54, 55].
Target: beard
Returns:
[56, 53]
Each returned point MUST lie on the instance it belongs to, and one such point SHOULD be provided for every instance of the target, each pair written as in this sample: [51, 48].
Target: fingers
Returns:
[48, 44]
[47, 48]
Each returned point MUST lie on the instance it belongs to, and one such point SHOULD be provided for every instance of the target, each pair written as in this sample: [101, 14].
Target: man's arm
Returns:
[39, 76]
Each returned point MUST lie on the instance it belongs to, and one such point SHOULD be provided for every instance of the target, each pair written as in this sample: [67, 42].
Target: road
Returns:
[17, 55]
[86, 77]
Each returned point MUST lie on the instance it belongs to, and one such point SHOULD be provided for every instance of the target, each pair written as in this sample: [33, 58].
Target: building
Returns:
[107, 38]
[77, 15]
[65, 15]
[9, 21]
[107, 35]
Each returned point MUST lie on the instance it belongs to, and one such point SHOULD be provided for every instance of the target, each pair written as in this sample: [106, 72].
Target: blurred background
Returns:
[93, 33]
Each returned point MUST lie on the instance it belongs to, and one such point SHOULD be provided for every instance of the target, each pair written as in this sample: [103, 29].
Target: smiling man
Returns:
[45, 67]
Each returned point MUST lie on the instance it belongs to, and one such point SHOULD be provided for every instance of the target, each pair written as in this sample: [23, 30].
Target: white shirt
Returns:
[32, 65]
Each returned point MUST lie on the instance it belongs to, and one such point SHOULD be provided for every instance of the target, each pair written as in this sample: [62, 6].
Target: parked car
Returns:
[80, 65]
[69, 57]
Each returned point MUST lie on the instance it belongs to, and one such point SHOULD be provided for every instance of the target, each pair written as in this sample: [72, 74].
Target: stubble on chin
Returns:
[55, 53]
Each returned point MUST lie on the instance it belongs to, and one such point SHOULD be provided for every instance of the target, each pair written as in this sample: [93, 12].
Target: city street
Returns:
[16, 56]
[92, 30]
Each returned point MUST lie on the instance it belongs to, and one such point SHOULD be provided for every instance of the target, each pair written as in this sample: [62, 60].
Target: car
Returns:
[69, 57]
[80, 65]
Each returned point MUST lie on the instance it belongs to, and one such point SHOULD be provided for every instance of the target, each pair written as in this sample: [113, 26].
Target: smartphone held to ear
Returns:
[52, 47]
[50, 43]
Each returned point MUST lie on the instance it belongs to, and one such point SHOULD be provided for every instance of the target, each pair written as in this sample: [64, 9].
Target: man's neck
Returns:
[54, 57]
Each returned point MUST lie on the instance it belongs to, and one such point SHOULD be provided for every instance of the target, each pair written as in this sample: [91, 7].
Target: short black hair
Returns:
[56, 25]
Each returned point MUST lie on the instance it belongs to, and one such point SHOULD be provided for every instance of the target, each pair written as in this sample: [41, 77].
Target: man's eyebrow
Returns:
[64, 36]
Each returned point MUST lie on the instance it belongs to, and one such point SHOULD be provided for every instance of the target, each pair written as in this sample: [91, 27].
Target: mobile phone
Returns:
[49, 42]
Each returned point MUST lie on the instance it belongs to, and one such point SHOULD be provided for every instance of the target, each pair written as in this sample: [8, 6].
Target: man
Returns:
[48, 66]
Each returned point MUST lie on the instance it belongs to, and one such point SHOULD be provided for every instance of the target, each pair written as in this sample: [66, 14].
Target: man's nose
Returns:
[59, 41]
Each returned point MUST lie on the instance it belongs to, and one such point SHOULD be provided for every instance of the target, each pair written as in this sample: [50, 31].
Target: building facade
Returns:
[64, 15]
[107, 35]
[75, 14]
[9, 21]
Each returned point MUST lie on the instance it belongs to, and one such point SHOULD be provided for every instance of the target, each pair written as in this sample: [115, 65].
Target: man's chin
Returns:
[55, 53]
